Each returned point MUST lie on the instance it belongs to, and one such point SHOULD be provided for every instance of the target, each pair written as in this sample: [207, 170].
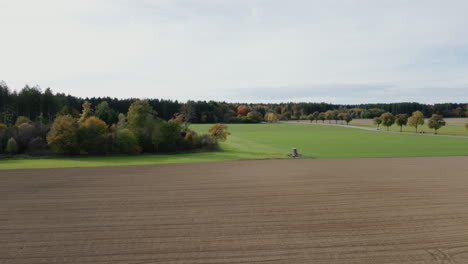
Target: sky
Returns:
[346, 51]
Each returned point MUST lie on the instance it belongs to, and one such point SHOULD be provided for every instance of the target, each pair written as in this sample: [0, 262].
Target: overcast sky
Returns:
[347, 51]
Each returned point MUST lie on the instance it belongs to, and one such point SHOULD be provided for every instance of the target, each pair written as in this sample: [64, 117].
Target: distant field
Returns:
[268, 141]
[455, 126]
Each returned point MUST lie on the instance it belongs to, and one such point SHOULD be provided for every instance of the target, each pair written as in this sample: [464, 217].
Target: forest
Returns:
[37, 104]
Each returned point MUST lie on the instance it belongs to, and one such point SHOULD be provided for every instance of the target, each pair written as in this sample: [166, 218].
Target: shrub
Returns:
[26, 132]
[11, 147]
[205, 141]
[37, 146]
[126, 141]
[3, 129]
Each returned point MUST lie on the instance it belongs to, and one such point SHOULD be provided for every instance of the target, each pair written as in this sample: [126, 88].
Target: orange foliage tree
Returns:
[242, 110]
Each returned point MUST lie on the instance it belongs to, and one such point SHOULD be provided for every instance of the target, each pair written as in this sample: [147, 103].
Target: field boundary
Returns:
[380, 130]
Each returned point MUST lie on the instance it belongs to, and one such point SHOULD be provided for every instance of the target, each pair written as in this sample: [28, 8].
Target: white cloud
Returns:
[238, 49]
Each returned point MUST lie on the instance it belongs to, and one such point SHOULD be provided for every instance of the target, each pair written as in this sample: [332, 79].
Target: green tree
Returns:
[401, 120]
[105, 113]
[11, 147]
[125, 141]
[87, 111]
[26, 132]
[171, 132]
[416, 120]
[436, 122]
[62, 137]
[91, 136]
[377, 121]
[388, 119]
[219, 132]
[122, 123]
[255, 116]
[141, 121]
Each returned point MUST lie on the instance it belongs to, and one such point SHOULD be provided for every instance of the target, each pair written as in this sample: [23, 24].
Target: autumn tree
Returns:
[242, 110]
[416, 120]
[322, 117]
[347, 118]
[331, 115]
[22, 120]
[457, 112]
[188, 111]
[87, 111]
[401, 120]
[218, 132]
[62, 136]
[271, 117]
[377, 121]
[436, 122]
[388, 119]
[91, 136]
[315, 116]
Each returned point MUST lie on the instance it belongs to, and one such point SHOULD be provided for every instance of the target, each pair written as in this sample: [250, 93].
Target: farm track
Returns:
[354, 211]
[382, 130]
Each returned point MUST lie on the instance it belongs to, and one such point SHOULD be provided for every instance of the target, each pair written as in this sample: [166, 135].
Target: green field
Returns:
[267, 141]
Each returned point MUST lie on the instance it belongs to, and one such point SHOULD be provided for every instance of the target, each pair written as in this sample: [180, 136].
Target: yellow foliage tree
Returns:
[218, 132]
[62, 135]
[271, 117]
[415, 120]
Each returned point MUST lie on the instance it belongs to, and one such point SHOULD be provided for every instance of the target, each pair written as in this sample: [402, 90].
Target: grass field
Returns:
[267, 141]
[455, 126]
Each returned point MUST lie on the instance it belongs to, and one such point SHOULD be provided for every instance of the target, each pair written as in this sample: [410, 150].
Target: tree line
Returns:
[416, 120]
[37, 104]
[89, 133]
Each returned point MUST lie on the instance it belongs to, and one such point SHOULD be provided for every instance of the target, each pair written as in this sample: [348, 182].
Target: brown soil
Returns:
[354, 211]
